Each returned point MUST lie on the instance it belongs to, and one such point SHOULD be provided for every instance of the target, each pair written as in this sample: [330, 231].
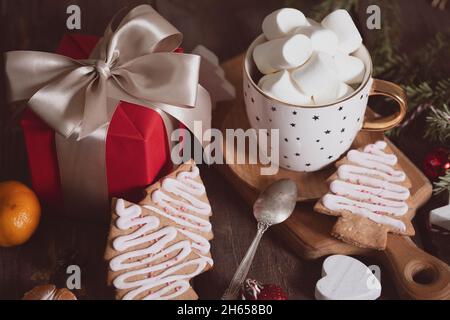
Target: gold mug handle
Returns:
[391, 90]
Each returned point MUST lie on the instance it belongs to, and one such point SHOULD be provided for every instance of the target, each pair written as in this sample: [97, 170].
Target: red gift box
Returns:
[137, 148]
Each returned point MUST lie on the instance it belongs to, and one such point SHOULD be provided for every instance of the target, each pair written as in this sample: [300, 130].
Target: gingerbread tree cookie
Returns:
[370, 194]
[155, 248]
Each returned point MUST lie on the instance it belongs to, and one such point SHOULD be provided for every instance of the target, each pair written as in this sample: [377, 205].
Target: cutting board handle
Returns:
[417, 274]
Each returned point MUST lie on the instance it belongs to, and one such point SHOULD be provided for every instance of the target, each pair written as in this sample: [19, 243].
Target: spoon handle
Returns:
[241, 273]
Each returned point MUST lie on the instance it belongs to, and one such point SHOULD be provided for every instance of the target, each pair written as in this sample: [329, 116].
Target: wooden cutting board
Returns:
[417, 274]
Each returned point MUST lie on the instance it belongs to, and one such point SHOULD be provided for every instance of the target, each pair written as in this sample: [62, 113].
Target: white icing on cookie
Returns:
[377, 199]
[152, 243]
[367, 186]
[337, 203]
[365, 176]
[186, 188]
[377, 162]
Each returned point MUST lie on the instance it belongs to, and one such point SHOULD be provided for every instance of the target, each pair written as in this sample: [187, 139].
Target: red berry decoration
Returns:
[436, 163]
[253, 290]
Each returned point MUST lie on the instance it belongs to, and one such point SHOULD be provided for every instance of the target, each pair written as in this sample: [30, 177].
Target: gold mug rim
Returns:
[255, 86]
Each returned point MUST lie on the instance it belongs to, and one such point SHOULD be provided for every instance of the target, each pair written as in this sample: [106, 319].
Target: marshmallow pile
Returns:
[309, 63]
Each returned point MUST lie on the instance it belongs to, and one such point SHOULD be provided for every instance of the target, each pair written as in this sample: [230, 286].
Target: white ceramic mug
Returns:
[311, 137]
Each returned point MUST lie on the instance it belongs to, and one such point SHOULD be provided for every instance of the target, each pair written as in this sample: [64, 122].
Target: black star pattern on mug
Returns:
[362, 96]
[292, 125]
[273, 109]
[248, 86]
[297, 154]
[340, 108]
[294, 113]
[270, 120]
[315, 118]
[253, 100]
[285, 157]
[329, 157]
[341, 142]
[288, 166]
[342, 130]
[358, 119]
[298, 138]
[308, 164]
[327, 131]
[257, 118]
[318, 140]
[345, 117]
[245, 94]
[322, 148]
[286, 139]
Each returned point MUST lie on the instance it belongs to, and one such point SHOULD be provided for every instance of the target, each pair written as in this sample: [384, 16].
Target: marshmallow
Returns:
[344, 91]
[282, 22]
[280, 86]
[317, 77]
[441, 217]
[341, 23]
[349, 69]
[321, 39]
[284, 53]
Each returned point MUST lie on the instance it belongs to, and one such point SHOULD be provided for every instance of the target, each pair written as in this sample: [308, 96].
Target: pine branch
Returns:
[403, 68]
[419, 93]
[442, 92]
[438, 125]
[443, 183]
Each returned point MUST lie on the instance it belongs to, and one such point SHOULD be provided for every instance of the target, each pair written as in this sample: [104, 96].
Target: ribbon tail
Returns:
[204, 107]
[95, 113]
[197, 119]
[82, 168]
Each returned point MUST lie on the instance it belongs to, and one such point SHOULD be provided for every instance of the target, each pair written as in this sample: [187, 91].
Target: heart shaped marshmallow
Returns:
[346, 278]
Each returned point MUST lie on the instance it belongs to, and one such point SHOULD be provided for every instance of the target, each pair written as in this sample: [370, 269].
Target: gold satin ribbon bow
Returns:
[134, 63]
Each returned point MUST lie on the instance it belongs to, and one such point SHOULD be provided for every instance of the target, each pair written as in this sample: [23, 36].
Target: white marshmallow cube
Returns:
[317, 77]
[280, 86]
[341, 23]
[284, 53]
[344, 91]
[349, 69]
[282, 22]
[322, 39]
[441, 217]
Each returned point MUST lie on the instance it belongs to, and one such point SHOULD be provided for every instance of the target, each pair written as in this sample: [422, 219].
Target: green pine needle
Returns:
[421, 92]
[443, 183]
[438, 125]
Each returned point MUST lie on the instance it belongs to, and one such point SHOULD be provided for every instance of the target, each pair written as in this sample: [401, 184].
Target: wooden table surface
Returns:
[37, 25]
